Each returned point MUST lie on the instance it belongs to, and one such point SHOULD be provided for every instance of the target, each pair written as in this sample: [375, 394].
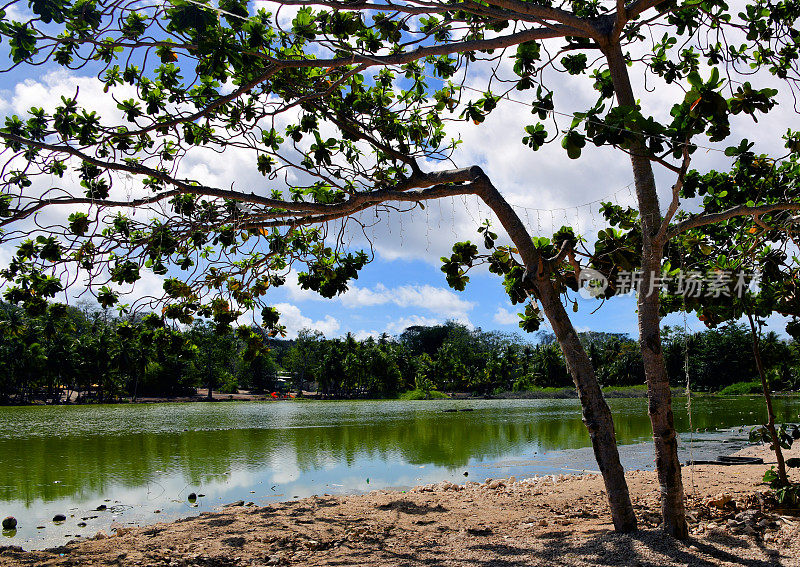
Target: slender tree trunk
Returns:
[659, 395]
[596, 413]
[768, 397]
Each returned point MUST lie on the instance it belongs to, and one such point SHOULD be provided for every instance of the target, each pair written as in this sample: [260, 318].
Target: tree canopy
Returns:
[343, 109]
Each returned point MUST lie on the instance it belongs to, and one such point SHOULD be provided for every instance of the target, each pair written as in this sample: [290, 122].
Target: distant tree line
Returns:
[95, 356]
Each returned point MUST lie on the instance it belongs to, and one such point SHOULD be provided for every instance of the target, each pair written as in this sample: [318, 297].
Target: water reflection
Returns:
[149, 457]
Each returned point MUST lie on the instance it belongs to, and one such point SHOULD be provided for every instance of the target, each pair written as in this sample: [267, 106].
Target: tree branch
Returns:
[205, 110]
[399, 192]
[515, 8]
[430, 51]
[620, 20]
[740, 211]
[547, 13]
[660, 237]
[640, 6]
[367, 200]
[43, 203]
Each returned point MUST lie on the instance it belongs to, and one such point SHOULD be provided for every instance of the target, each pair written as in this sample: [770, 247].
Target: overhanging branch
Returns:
[740, 211]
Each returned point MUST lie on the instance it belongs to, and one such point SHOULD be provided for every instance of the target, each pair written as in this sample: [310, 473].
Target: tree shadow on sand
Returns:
[408, 507]
[643, 549]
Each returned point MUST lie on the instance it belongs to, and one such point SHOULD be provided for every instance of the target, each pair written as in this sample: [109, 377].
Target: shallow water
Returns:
[136, 459]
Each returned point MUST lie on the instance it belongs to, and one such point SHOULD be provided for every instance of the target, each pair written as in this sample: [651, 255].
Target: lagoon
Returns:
[137, 459]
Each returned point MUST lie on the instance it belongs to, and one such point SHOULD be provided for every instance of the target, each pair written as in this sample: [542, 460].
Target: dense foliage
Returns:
[99, 357]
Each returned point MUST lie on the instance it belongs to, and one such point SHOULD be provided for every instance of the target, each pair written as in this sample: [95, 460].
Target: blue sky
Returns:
[483, 304]
[403, 285]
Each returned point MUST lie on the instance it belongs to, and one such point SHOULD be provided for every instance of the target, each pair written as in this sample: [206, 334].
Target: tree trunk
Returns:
[659, 395]
[768, 397]
[596, 413]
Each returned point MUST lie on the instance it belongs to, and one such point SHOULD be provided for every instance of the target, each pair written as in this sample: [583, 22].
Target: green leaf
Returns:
[793, 463]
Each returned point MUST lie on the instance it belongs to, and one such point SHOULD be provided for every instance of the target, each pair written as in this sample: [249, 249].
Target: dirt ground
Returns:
[501, 523]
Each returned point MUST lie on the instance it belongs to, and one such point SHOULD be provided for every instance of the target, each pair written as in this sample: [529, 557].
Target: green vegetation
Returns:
[740, 388]
[418, 394]
[786, 492]
[98, 358]
[637, 391]
[723, 356]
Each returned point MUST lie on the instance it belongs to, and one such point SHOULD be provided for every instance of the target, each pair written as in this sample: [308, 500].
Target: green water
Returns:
[142, 458]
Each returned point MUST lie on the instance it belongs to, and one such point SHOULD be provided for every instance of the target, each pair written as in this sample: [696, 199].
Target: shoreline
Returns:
[557, 394]
[540, 521]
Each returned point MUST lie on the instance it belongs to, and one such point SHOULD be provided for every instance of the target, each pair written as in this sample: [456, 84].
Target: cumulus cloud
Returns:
[505, 317]
[437, 300]
[363, 335]
[398, 326]
[295, 321]
[46, 92]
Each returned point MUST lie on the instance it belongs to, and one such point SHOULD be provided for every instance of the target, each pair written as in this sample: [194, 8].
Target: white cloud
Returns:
[46, 92]
[437, 300]
[364, 297]
[398, 326]
[363, 335]
[295, 321]
[17, 13]
[283, 13]
[505, 317]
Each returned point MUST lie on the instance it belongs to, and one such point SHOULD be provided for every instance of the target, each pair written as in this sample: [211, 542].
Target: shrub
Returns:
[228, 384]
[422, 395]
[740, 388]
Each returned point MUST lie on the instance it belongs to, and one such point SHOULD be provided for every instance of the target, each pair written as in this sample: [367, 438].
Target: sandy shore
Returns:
[505, 523]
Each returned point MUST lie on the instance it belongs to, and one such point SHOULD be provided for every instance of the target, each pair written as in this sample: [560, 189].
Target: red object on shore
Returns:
[274, 395]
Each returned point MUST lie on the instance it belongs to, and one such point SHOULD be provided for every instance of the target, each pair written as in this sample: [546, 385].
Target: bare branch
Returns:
[676, 196]
[545, 13]
[367, 200]
[566, 248]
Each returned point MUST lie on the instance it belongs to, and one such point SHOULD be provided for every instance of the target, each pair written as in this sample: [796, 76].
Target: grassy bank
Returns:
[422, 395]
[639, 391]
